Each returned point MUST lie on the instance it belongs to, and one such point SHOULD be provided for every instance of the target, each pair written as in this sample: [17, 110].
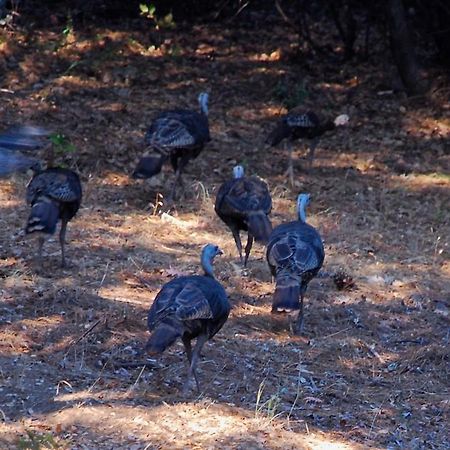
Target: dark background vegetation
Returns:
[409, 27]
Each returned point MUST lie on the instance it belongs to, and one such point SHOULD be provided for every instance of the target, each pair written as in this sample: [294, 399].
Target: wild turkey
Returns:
[302, 125]
[244, 203]
[15, 140]
[295, 255]
[189, 307]
[54, 194]
[178, 135]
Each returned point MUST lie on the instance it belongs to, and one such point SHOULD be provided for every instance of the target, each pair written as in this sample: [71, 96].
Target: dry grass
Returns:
[372, 369]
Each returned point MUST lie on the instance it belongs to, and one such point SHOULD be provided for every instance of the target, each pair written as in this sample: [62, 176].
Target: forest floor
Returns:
[372, 368]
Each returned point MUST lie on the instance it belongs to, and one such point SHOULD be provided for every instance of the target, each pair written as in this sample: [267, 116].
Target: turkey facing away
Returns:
[189, 307]
[244, 203]
[302, 125]
[295, 255]
[178, 135]
[17, 140]
[54, 194]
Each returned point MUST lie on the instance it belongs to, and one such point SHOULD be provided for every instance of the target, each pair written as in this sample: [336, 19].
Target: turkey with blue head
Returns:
[178, 136]
[295, 254]
[244, 203]
[16, 144]
[189, 307]
[54, 194]
[298, 124]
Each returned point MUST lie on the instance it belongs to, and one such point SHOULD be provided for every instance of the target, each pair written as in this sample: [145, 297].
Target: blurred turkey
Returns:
[54, 194]
[14, 142]
[178, 135]
[244, 203]
[302, 125]
[295, 255]
[189, 307]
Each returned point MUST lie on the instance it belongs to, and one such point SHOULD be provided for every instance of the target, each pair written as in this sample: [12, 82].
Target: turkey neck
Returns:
[204, 105]
[302, 211]
[207, 266]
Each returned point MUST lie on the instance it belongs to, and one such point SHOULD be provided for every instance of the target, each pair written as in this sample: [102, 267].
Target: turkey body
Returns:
[299, 124]
[178, 136]
[54, 194]
[244, 203]
[295, 254]
[188, 307]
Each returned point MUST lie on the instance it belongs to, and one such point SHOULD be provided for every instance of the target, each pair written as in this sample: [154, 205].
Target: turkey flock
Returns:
[197, 306]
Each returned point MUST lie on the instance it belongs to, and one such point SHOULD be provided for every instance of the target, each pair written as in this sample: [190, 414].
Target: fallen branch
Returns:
[81, 337]
[134, 365]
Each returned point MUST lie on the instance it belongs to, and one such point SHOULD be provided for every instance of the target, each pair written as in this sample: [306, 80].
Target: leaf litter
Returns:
[372, 368]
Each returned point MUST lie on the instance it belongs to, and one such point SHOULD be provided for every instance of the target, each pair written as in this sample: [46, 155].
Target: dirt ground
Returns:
[372, 368]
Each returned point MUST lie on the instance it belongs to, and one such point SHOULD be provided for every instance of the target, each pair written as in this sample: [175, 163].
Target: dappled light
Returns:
[370, 369]
[182, 425]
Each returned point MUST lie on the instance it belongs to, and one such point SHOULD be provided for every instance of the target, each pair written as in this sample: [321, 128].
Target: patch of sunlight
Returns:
[175, 85]
[440, 176]
[112, 178]
[117, 294]
[272, 56]
[273, 112]
[362, 161]
[323, 443]
[73, 81]
[180, 425]
[418, 182]
[11, 203]
[445, 268]
[42, 323]
[64, 393]
[364, 352]
[16, 281]
[335, 87]
[430, 127]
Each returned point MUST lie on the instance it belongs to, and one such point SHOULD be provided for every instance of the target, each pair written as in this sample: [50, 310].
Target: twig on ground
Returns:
[81, 337]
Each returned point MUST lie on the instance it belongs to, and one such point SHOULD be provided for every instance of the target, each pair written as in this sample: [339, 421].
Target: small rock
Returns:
[441, 308]
[375, 280]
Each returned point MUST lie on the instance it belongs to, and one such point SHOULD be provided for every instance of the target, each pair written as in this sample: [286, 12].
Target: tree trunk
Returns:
[402, 48]
[347, 27]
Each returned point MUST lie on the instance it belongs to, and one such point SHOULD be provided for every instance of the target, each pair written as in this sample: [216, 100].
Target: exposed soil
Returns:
[372, 369]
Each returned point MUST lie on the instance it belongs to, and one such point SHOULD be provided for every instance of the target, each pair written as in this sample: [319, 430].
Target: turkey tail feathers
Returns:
[286, 296]
[149, 166]
[281, 132]
[162, 337]
[43, 217]
[259, 226]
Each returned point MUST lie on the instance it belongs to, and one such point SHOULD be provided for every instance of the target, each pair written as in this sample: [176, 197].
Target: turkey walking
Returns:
[54, 194]
[302, 125]
[244, 203]
[189, 307]
[17, 140]
[295, 255]
[178, 135]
